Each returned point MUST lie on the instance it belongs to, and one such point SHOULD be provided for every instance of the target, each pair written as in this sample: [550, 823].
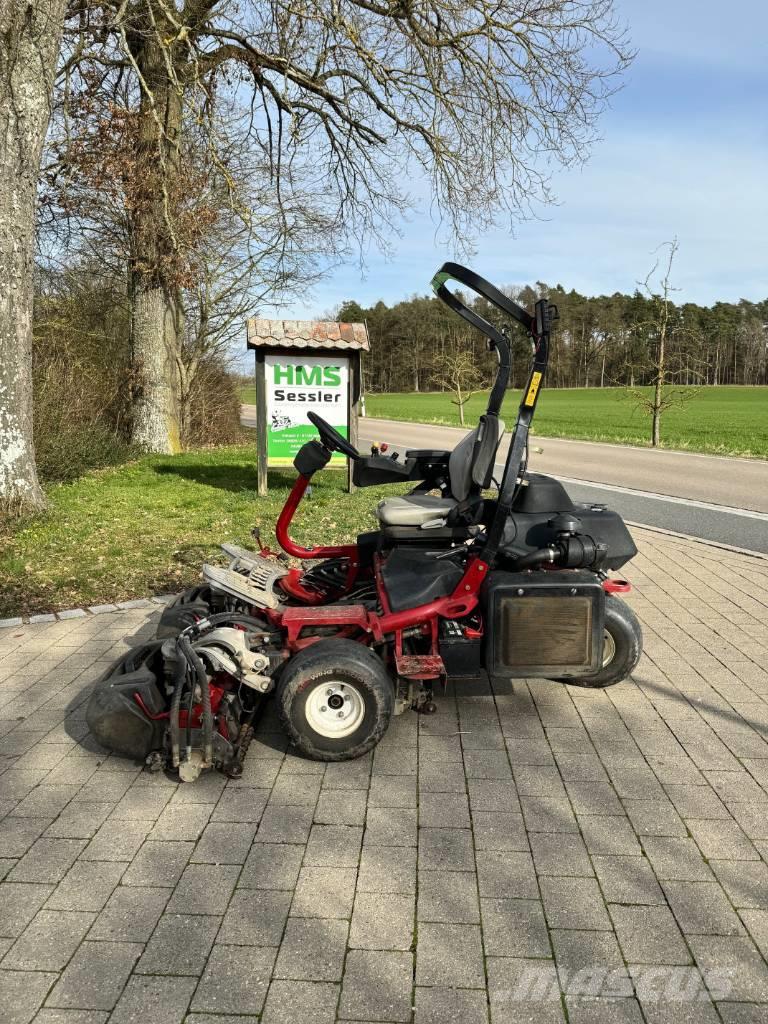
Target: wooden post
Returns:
[261, 424]
[353, 399]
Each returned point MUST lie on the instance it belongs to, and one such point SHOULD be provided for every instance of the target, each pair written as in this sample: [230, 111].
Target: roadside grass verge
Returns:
[718, 420]
[145, 528]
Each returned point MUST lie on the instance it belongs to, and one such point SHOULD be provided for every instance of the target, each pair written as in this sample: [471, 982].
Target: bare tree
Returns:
[664, 329]
[30, 34]
[352, 97]
[460, 375]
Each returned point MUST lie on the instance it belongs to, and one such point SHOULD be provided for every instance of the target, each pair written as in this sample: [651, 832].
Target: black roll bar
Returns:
[539, 326]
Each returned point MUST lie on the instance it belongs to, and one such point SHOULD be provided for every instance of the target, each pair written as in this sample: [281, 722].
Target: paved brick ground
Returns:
[519, 856]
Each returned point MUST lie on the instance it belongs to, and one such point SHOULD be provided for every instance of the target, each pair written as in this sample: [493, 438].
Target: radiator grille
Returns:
[538, 630]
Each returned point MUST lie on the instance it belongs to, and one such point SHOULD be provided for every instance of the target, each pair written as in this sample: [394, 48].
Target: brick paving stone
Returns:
[560, 854]
[158, 864]
[117, 840]
[390, 826]
[442, 777]
[271, 866]
[503, 874]
[514, 928]
[86, 886]
[450, 955]
[492, 795]
[159, 1000]
[548, 814]
[241, 804]
[285, 824]
[382, 921]
[17, 835]
[345, 807]
[523, 990]
[757, 924]
[739, 970]
[347, 774]
[70, 1017]
[20, 902]
[79, 821]
[377, 986]
[130, 915]
[179, 945]
[21, 993]
[309, 1002]
[392, 791]
[696, 802]
[593, 797]
[444, 810]
[676, 859]
[46, 861]
[48, 942]
[450, 1006]
[722, 839]
[654, 818]
[181, 821]
[500, 831]
[446, 849]
[649, 935]
[224, 843]
[323, 893]
[203, 891]
[312, 949]
[577, 950]
[448, 896]
[235, 980]
[333, 846]
[608, 835]
[702, 908]
[745, 882]
[95, 976]
[387, 869]
[255, 917]
[604, 1011]
[573, 903]
[295, 791]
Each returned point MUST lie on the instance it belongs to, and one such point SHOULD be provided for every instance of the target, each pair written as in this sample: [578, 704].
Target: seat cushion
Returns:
[413, 577]
[413, 510]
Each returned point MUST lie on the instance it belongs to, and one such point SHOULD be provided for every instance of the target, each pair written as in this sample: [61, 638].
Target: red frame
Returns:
[355, 618]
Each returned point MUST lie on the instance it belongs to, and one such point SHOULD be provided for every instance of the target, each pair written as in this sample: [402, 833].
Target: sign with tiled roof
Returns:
[307, 334]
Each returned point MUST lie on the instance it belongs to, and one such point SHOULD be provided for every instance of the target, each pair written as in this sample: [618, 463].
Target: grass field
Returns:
[721, 420]
[147, 527]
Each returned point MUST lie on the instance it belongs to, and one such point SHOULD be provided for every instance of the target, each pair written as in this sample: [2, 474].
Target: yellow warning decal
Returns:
[530, 398]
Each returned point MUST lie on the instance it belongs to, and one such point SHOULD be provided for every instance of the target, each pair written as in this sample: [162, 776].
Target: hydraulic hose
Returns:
[180, 677]
[199, 670]
[537, 557]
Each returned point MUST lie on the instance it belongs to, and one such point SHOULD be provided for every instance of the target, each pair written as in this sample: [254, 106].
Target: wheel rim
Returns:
[335, 709]
[609, 648]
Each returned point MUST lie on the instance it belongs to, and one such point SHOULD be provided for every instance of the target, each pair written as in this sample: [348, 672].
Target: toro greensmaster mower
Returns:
[474, 573]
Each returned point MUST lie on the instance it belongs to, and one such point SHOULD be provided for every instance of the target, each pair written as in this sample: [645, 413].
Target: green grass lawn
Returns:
[721, 420]
[146, 528]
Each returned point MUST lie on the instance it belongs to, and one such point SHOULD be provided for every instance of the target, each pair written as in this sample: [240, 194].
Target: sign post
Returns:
[303, 366]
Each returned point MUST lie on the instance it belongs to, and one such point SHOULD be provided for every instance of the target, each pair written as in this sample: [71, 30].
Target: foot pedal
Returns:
[420, 666]
[256, 589]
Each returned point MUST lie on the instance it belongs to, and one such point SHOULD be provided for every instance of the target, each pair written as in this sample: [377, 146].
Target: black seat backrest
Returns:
[470, 466]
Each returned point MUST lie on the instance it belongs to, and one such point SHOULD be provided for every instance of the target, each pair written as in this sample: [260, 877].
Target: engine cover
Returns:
[543, 624]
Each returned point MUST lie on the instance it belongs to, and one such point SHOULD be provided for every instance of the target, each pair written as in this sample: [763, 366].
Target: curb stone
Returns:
[80, 613]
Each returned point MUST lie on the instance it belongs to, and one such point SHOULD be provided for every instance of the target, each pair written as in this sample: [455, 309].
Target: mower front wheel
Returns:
[335, 700]
[622, 646]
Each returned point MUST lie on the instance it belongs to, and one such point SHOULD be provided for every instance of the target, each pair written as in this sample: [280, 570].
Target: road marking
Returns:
[689, 502]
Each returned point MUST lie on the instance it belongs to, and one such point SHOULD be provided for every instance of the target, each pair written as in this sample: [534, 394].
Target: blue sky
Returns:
[684, 152]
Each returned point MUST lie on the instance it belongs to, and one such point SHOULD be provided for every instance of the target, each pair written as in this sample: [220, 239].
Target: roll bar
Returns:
[539, 326]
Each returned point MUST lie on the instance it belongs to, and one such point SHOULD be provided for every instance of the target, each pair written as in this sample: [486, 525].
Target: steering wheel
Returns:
[331, 438]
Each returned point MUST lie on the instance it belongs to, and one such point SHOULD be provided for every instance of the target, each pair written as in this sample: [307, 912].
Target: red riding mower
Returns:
[453, 583]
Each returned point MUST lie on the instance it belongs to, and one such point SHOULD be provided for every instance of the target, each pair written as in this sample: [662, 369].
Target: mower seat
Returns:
[470, 468]
[414, 510]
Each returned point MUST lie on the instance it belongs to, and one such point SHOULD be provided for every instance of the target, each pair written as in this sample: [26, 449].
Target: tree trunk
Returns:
[155, 346]
[156, 307]
[29, 44]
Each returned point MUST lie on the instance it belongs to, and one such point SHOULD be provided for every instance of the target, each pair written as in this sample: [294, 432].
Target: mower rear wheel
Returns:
[622, 646]
[335, 700]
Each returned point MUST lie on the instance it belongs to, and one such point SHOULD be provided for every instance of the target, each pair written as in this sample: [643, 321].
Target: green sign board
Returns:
[296, 385]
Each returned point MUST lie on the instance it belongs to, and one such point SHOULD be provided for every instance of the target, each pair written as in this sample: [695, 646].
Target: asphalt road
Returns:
[716, 498]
